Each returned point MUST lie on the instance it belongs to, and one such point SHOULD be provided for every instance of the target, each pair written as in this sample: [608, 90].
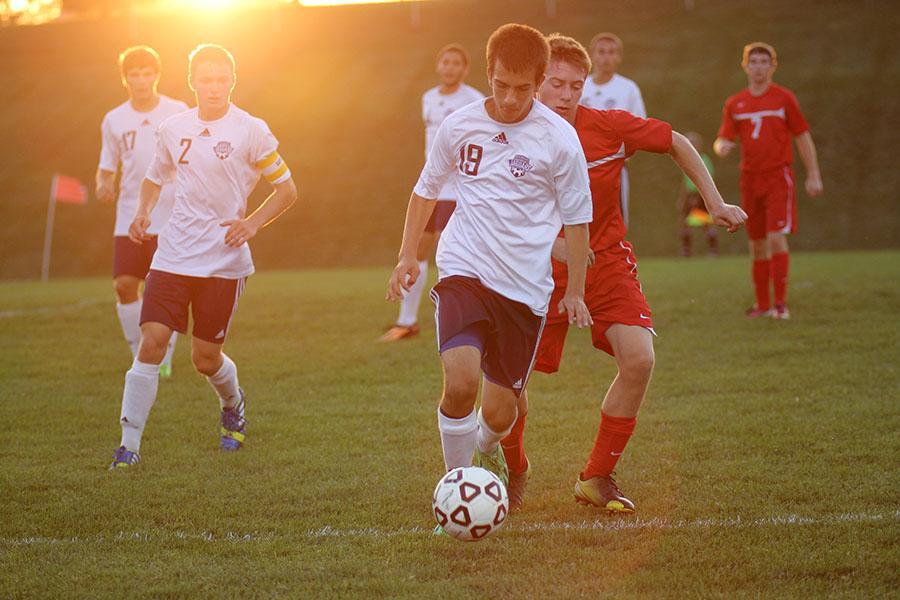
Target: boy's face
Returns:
[513, 92]
[759, 67]
[141, 82]
[212, 82]
[452, 68]
[562, 87]
[606, 56]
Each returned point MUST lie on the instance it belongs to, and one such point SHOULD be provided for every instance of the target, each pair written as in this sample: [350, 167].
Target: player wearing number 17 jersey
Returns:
[520, 175]
[766, 117]
[215, 154]
[129, 140]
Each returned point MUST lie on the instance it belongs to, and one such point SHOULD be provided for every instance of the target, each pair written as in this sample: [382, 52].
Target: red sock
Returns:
[608, 447]
[514, 447]
[781, 263]
[761, 270]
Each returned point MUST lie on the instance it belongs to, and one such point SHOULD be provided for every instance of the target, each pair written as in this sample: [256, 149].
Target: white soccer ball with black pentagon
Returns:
[470, 503]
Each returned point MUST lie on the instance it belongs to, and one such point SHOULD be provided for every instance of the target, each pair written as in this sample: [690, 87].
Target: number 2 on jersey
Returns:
[128, 139]
[470, 158]
[186, 142]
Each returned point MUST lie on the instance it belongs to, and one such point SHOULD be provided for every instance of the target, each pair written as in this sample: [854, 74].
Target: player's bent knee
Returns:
[151, 350]
[460, 394]
[638, 366]
[206, 364]
[126, 289]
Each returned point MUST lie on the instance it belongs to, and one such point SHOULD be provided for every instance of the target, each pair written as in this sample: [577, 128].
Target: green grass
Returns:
[747, 425]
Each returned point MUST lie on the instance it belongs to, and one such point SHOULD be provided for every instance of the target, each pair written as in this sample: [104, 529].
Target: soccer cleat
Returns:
[124, 458]
[602, 492]
[781, 312]
[233, 430]
[494, 462]
[165, 371]
[753, 312]
[516, 488]
[399, 332]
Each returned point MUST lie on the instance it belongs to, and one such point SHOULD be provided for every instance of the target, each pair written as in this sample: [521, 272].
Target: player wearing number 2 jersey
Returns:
[766, 117]
[129, 139]
[520, 175]
[215, 154]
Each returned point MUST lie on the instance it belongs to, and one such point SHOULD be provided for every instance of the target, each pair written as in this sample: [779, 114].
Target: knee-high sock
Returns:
[781, 263]
[225, 382]
[611, 439]
[170, 349]
[458, 439]
[409, 305]
[761, 283]
[130, 318]
[514, 446]
[487, 437]
[141, 382]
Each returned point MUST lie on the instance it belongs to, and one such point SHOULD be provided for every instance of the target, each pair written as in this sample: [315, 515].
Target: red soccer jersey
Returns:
[766, 125]
[608, 137]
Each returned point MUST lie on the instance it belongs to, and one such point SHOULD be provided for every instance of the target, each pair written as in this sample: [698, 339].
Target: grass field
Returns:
[764, 463]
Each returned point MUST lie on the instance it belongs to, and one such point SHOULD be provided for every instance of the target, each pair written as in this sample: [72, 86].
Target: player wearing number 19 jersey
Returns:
[128, 141]
[215, 154]
[766, 117]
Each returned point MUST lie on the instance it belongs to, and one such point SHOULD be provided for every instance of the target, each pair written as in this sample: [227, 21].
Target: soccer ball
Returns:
[470, 503]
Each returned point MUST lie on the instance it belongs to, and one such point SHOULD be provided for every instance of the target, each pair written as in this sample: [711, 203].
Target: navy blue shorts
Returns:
[440, 216]
[506, 331]
[212, 301]
[132, 259]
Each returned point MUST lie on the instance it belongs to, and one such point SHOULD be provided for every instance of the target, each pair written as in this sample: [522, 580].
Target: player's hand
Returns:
[814, 185]
[729, 216]
[239, 232]
[137, 231]
[106, 193]
[402, 278]
[558, 252]
[577, 310]
[723, 147]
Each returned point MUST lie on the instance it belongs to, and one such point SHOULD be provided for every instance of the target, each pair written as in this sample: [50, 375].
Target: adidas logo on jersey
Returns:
[500, 138]
[205, 133]
[146, 122]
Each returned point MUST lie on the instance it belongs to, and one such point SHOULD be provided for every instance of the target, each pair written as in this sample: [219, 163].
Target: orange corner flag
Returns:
[68, 189]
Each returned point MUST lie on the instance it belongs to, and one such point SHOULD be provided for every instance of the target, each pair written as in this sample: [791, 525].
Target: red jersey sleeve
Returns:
[650, 135]
[727, 129]
[795, 121]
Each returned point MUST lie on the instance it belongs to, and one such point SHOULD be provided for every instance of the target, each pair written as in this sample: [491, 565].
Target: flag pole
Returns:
[48, 233]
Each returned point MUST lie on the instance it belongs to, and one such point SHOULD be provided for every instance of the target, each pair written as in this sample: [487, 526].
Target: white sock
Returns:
[225, 382]
[170, 349]
[409, 305]
[141, 382]
[130, 318]
[487, 437]
[458, 439]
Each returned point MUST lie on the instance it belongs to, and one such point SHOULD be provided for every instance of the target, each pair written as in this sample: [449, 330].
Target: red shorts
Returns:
[212, 302]
[132, 259]
[612, 293]
[770, 201]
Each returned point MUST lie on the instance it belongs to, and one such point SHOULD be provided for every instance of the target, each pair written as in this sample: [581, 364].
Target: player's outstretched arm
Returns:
[407, 270]
[105, 185]
[687, 158]
[810, 159]
[137, 231]
[577, 248]
[241, 231]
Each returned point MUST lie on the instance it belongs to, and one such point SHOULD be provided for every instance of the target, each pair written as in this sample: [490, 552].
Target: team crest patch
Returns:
[223, 149]
[519, 165]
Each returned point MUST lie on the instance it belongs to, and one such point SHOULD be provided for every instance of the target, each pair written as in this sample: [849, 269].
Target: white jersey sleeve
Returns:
[572, 183]
[110, 153]
[440, 164]
[636, 102]
[162, 167]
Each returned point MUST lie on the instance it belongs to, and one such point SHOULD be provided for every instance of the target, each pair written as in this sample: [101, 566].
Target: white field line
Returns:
[607, 525]
[41, 310]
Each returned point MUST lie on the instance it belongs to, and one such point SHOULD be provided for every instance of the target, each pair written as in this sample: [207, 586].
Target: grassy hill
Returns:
[340, 87]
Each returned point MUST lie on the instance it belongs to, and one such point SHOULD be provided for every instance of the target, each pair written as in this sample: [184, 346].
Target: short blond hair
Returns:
[213, 53]
[606, 35]
[568, 50]
[758, 48]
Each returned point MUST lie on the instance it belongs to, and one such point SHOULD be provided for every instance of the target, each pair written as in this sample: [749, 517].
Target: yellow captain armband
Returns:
[274, 169]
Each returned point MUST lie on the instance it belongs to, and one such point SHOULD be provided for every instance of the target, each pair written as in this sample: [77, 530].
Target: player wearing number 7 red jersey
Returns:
[766, 117]
[215, 153]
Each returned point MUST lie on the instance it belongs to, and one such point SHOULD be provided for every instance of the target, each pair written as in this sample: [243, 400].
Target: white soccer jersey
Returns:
[129, 139]
[515, 186]
[435, 108]
[216, 165]
[618, 93]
